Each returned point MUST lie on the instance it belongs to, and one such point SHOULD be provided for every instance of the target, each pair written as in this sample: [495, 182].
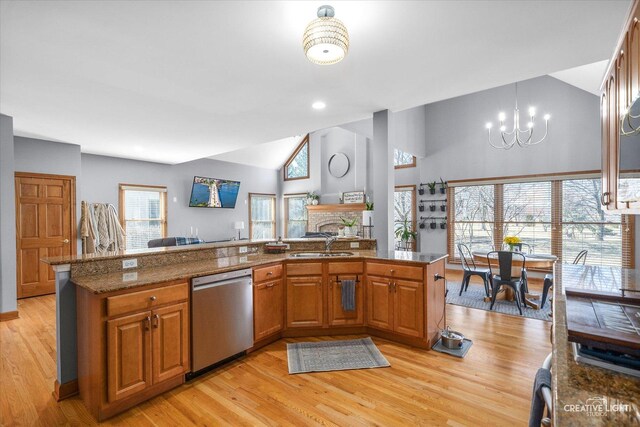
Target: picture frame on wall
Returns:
[353, 197]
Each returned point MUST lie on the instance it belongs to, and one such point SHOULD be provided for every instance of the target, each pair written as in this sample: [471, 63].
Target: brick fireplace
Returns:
[327, 218]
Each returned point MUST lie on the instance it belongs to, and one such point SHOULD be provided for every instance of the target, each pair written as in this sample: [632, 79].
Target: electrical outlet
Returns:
[129, 277]
[242, 249]
[130, 263]
[243, 259]
[355, 245]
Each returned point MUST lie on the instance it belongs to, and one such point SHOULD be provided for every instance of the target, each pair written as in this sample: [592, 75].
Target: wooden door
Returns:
[408, 309]
[170, 340]
[268, 309]
[45, 227]
[337, 316]
[379, 303]
[128, 355]
[304, 301]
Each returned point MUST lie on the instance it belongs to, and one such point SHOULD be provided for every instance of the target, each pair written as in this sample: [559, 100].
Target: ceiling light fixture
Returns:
[326, 40]
[524, 138]
[318, 105]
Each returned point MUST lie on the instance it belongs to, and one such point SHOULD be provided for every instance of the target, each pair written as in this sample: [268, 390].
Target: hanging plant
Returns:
[443, 186]
[443, 207]
[432, 187]
[421, 207]
[432, 208]
[421, 190]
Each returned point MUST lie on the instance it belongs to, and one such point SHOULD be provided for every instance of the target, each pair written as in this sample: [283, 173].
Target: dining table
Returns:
[535, 260]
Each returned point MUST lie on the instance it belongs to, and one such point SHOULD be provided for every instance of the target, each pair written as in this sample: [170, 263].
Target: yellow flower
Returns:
[512, 240]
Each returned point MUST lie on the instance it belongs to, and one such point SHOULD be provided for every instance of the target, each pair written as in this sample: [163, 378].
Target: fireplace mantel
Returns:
[343, 207]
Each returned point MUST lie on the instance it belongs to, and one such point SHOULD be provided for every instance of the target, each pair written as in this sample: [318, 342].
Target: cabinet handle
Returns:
[153, 298]
[156, 320]
[602, 197]
[437, 277]
[269, 273]
[392, 271]
[270, 285]
[147, 322]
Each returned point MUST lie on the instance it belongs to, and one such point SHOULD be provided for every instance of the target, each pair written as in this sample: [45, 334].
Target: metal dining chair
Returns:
[470, 269]
[506, 276]
[581, 258]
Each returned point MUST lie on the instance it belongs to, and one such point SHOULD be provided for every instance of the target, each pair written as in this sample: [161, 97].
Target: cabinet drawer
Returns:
[351, 267]
[144, 300]
[267, 273]
[395, 270]
[304, 269]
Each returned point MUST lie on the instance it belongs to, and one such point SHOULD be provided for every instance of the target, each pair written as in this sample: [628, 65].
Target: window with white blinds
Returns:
[143, 214]
[559, 216]
[295, 206]
[262, 216]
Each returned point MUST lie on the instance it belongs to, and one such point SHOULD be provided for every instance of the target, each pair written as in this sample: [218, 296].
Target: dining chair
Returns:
[506, 276]
[470, 269]
[581, 258]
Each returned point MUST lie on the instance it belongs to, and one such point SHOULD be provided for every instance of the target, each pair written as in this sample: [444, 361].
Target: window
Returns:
[561, 216]
[297, 166]
[262, 214]
[295, 208]
[143, 212]
[404, 209]
[403, 160]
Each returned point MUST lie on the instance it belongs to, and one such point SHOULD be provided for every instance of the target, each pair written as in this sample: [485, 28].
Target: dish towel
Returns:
[348, 295]
[543, 379]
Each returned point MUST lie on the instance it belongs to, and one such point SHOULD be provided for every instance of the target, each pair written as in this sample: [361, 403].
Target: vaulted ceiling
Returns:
[174, 81]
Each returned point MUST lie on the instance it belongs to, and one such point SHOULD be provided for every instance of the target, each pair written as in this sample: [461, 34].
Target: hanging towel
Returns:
[100, 228]
[543, 379]
[348, 295]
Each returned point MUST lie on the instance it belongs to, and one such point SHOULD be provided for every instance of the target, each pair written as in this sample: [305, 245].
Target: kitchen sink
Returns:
[320, 254]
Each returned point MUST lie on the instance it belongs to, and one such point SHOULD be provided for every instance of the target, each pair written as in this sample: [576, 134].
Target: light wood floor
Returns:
[491, 386]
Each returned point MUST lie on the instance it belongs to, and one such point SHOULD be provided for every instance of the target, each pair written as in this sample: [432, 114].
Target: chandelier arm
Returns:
[546, 131]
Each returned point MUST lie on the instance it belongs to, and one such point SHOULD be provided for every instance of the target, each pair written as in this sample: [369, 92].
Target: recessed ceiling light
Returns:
[318, 105]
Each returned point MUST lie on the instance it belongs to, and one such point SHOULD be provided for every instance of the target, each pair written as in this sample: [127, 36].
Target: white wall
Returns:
[8, 290]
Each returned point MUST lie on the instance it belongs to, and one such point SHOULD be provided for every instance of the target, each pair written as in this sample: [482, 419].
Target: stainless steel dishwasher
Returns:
[221, 317]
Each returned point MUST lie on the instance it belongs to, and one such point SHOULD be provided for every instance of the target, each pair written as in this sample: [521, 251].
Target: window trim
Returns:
[408, 165]
[274, 213]
[414, 221]
[304, 141]
[286, 198]
[142, 187]
[556, 180]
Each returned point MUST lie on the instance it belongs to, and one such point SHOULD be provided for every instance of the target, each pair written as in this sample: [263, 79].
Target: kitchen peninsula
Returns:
[124, 334]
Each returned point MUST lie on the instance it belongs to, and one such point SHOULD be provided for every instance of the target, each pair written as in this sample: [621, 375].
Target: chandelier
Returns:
[629, 128]
[524, 138]
[326, 40]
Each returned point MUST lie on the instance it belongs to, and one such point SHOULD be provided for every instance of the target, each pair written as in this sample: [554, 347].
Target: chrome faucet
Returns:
[329, 241]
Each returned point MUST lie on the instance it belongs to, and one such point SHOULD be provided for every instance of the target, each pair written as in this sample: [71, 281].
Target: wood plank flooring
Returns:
[491, 386]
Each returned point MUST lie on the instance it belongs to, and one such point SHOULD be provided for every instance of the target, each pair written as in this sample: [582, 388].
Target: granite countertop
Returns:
[578, 384]
[70, 259]
[101, 283]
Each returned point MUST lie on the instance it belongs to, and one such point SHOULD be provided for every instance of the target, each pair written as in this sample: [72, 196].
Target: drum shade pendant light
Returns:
[326, 40]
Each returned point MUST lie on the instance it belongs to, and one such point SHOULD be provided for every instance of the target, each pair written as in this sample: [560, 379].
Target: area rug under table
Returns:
[474, 298]
[325, 356]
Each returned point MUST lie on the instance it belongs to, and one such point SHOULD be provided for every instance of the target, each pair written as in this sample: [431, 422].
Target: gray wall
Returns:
[8, 289]
[101, 176]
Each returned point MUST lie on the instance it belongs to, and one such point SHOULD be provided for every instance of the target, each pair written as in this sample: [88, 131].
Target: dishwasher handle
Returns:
[203, 286]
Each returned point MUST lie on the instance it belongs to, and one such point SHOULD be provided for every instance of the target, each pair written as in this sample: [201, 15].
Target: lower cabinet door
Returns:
[379, 303]
[304, 301]
[409, 308]
[337, 315]
[268, 309]
[170, 327]
[128, 355]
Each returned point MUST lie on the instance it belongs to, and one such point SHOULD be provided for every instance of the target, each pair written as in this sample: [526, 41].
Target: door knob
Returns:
[65, 241]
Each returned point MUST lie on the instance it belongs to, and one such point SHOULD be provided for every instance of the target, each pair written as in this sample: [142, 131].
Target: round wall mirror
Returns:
[339, 165]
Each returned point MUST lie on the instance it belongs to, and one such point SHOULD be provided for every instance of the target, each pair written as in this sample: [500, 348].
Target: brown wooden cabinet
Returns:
[304, 301]
[395, 305]
[268, 302]
[132, 345]
[379, 303]
[337, 272]
[620, 94]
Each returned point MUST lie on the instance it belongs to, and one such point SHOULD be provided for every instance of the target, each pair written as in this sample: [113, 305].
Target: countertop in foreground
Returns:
[576, 385]
[101, 283]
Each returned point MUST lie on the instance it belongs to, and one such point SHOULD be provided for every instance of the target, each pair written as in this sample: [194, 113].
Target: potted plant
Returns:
[422, 225]
[313, 198]
[367, 214]
[350, 228]
[443, 224]
[512, 241]
[432, 207]
[421, 189]
[432, 187]
[443, 207]
[443, 186]
[421, 207]
[405, 233]
[433, 224]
